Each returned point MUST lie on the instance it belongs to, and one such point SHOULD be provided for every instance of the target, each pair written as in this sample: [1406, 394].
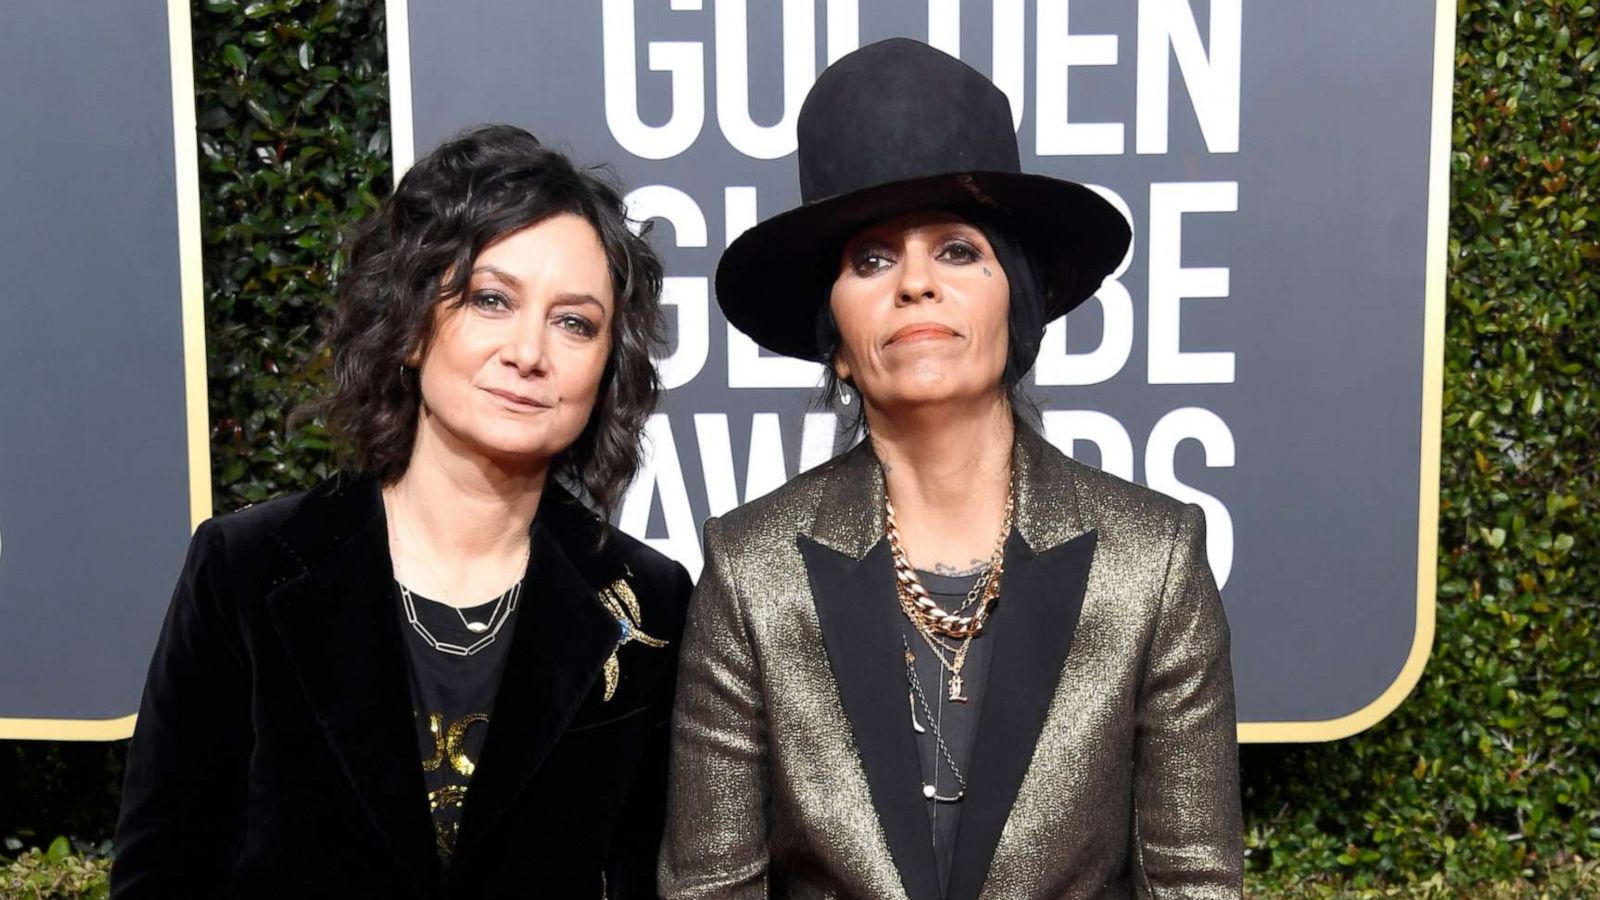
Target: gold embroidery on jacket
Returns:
[620, 602]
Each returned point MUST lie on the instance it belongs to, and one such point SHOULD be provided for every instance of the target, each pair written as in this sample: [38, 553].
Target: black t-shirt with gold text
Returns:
[452, 696]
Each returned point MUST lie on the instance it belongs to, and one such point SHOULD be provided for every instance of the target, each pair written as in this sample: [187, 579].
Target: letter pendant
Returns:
[955, 690]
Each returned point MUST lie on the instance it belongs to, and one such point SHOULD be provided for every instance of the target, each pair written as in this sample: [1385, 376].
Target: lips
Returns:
[518, 401]
[921, 331]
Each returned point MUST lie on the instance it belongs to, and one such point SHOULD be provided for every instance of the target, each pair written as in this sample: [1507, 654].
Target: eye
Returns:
[960, 251]
[869, 261]
[576, 324]
[490, 301]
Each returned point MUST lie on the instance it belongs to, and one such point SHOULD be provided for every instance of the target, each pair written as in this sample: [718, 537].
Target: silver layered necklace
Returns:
[504, 606]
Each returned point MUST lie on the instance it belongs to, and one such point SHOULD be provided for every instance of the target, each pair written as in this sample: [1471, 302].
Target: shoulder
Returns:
[254, 523]
[269, 540]
[603, 553]
[647, 565]
[789, 509]
[1102, 495]
[1114, 507]
[662, 585]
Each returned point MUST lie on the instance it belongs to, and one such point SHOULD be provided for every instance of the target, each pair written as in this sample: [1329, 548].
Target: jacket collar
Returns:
[1047, 561]
[338, 622]
[850, 521]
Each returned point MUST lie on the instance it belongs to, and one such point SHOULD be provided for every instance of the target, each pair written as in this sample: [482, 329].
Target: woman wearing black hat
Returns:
[952, 662]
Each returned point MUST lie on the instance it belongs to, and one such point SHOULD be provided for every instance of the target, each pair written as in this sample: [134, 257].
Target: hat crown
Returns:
[898, 110]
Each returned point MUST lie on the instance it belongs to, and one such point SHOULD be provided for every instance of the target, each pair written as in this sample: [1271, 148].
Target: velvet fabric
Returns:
[275, 753]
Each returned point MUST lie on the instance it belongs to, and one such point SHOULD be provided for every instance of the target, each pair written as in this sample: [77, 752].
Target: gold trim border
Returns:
[187, 170]
[402, 122]
[1435, 260]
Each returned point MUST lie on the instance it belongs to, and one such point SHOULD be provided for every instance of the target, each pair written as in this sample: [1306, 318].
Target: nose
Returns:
[917, 283]
[525, 346]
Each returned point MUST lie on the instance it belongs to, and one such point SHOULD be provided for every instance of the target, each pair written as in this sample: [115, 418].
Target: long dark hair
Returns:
[416, 251]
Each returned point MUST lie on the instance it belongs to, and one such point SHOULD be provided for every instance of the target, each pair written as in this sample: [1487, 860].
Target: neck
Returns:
[948, 471]
[458, 521]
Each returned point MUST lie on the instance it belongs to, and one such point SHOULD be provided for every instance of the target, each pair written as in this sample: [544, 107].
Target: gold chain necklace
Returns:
[928, 618]
[920, 607]
[939, 648]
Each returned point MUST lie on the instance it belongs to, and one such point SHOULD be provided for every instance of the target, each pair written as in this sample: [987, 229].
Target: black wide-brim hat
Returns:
[897, 127]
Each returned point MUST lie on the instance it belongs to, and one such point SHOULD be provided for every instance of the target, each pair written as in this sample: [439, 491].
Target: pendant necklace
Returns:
[509, 599]
[495, 620]
[931, 791]
[479, 627]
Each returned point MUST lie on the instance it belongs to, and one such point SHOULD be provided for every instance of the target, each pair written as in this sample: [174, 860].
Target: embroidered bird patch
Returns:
[619, 601]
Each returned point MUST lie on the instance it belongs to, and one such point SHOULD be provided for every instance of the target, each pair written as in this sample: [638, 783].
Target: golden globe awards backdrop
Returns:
[1269, 349]
[103, 462]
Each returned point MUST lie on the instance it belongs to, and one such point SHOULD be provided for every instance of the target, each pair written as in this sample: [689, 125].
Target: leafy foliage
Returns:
[293, 113]
[49, 788]
[57, 872]
[1480, 785]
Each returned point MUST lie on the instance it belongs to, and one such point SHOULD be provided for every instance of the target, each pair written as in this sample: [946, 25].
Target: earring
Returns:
[844, 394]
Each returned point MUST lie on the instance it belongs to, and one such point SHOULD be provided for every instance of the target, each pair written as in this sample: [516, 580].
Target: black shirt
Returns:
[452, 696]
[955, 722]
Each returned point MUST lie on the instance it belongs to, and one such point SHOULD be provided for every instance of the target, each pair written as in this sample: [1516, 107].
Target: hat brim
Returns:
[773, 280]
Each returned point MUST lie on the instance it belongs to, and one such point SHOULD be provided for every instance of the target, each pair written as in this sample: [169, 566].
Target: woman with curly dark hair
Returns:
[440, 673]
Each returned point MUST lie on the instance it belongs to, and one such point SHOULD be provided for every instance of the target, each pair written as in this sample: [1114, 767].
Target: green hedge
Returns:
[1483, 777]
[293, 112]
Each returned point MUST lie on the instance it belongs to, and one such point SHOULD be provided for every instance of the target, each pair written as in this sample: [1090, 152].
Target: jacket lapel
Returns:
[852, 585]
[1047, 561]
[560, 643]
[340, 629]
[867, 656]
[1031, 633]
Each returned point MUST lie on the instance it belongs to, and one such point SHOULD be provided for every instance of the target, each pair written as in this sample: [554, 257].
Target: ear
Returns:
[841, 369]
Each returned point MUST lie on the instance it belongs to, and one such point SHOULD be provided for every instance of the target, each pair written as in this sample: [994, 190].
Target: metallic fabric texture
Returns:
[1130, 790]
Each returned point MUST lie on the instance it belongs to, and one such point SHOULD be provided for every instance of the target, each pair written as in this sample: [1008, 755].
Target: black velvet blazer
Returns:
[275, 753]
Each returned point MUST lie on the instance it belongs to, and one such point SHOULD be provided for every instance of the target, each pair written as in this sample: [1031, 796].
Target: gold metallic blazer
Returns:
[1105, 762]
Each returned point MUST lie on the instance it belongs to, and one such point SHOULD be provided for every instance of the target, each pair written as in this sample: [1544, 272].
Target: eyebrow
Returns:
[940, 230]
[566, 299]
[580, 300]
[501, 274]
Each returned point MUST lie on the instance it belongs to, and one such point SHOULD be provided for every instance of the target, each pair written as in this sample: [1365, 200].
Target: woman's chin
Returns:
[512, 451]
[920, 392]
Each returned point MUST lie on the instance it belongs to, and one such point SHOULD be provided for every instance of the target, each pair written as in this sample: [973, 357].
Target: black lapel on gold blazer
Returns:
[1031, 631]
[340, 626]
[560, 642]
[855, 603]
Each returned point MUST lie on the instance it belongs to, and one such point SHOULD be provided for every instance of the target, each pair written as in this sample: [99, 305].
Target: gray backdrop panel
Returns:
[94, 478]
[1326, 252]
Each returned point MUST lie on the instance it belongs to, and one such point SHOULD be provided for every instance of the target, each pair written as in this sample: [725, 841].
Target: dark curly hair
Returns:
[416, 251]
